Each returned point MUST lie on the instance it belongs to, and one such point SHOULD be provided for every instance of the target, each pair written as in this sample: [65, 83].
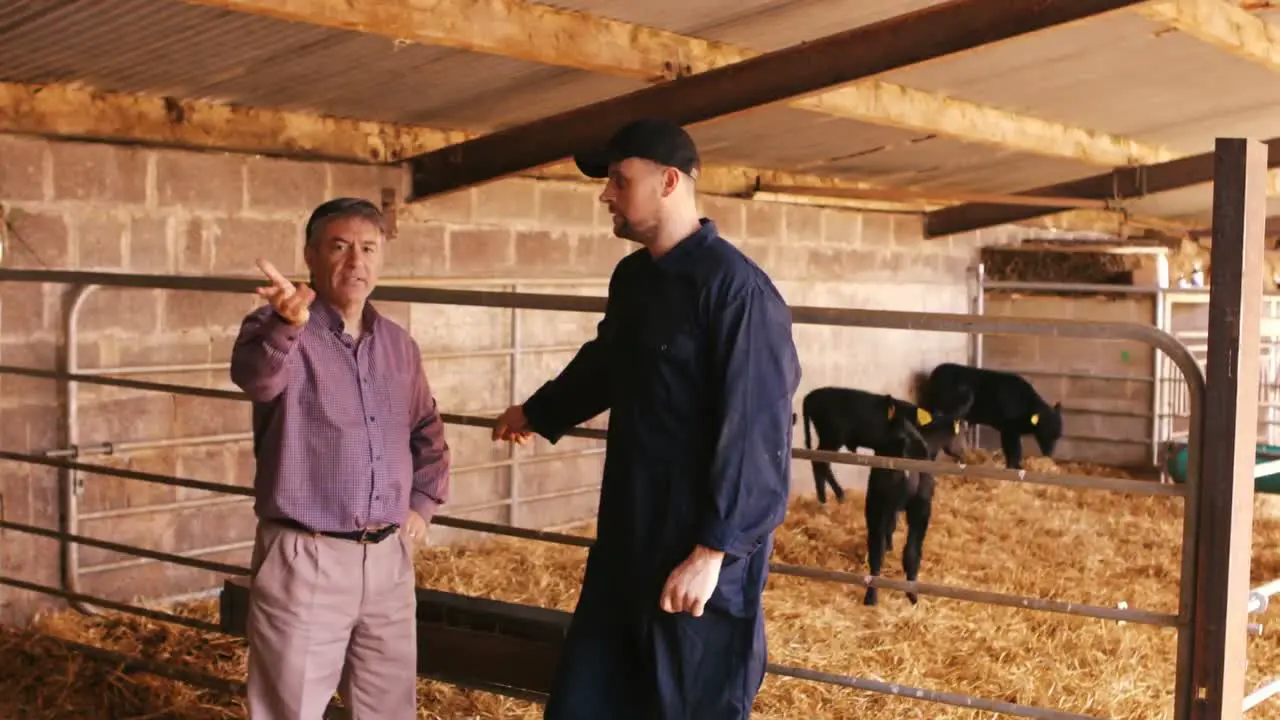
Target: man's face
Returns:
[345, 259]
[634, 196]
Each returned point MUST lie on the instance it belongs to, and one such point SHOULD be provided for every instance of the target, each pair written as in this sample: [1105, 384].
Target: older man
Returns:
[695, 362]
[351, 464]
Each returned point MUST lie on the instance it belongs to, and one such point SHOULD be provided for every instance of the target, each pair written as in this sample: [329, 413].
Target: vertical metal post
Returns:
[979, 309]
[513, 474]
[72, 485]
[1158, 388]
[1225, 508]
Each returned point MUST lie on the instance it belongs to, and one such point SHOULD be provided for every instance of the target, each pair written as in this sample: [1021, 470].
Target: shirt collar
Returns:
[332, 320]
[679, 255]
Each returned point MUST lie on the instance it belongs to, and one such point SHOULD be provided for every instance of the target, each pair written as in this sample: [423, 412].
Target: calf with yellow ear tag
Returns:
[1003, 401]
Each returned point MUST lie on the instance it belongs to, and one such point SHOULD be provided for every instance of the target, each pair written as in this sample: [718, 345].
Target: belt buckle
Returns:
[364, 536]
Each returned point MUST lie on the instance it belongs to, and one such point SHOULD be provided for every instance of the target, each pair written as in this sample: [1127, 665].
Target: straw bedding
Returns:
[1086, 546]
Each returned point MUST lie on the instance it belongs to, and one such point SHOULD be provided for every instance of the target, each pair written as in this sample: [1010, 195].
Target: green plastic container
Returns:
[1177, 467]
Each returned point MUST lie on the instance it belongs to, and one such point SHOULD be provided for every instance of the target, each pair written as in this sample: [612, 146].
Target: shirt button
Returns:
[371, 418]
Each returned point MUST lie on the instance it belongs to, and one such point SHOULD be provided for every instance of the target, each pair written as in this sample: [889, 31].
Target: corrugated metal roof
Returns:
[1121, 74]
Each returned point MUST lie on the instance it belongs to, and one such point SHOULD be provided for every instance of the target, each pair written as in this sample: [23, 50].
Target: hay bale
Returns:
[1083, 546]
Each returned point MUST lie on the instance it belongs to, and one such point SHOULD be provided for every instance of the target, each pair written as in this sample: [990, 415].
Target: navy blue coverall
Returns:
[695, 361]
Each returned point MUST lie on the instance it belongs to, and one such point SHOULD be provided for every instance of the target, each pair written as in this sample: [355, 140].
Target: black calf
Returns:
[844, 417]
[890, 491]
[1000, 400]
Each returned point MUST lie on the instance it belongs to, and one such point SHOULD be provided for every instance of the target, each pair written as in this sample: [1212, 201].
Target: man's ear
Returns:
[670, 180]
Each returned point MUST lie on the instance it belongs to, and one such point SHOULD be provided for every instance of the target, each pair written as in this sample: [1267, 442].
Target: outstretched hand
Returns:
[513, 425]
[290, 302]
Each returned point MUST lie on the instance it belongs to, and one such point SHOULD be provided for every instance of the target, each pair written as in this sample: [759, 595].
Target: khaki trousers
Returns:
[328, 614]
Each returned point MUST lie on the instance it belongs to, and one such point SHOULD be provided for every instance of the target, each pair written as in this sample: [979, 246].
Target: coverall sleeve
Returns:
[261, 353]
[757, 371]
[581, 391]
[427, 446]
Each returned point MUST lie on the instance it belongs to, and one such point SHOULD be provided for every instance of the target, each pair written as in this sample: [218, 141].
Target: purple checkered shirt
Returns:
[347, 435]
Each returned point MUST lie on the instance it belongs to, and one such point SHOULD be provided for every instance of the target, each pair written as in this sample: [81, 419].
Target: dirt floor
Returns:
[1084, 546]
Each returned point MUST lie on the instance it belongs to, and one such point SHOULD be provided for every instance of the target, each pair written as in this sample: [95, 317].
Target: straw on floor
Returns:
[1085, 546]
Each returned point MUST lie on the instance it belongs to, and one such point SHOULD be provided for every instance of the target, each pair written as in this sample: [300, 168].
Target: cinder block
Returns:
[22, 169]
[764, 221]
[210, 416]
[908, 232]
[729, 215]
[456, 328]
[470, 385]
[99, 172]
[107, 492]
[200, 181]
[418, 250]
[566, 206]
[841, 227]
[556, 512]
[241, 241]
[582, 471]
[473, 446]
[597, 254]
[471, 487]
[128, 310]
[186, 311]
[877, 230]
[489, 251]
[512, 199]
[297, 186]
[803, 225]
[208, 527]
[143, 418]
[154, 531]
[539, 252]
[36, 241]
[457, 207]
[193, 245]
[150, 246]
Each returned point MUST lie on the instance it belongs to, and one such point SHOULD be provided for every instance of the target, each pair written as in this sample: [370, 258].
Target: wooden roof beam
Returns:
[1116, 186]
[778, 76]
[1222, 24]
[565, 38]
[77, 113]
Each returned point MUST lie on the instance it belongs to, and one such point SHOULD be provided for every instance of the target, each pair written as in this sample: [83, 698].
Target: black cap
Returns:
[661, 141]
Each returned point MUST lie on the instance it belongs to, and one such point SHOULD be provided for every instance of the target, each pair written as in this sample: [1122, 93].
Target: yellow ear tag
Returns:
[923, 417]
[890, 411]
[1035, 419]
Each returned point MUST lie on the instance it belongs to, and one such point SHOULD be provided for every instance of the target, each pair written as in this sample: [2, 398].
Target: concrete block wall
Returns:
[103, 207]
[1105, 386]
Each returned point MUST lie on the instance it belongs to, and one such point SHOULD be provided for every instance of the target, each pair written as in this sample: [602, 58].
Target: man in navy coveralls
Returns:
[695, 361]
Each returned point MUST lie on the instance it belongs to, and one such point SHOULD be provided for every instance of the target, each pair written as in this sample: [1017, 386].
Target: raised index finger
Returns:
[274, 275]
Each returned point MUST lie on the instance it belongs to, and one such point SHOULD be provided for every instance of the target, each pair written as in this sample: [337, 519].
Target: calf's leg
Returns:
[919, 508]
[1011, 443]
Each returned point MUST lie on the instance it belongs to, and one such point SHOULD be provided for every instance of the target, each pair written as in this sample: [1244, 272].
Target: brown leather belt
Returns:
[365, 537]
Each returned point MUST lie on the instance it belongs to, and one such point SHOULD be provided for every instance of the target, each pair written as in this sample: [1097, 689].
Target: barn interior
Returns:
[1019, 163]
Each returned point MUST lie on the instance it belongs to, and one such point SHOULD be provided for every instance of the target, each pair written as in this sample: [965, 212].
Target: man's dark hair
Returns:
[343, 207]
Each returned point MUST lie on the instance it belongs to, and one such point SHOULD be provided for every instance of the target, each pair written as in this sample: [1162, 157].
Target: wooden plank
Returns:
[1224, 507]
[786, 74]
[1117, 185]
[1223, 25]
[538, 32]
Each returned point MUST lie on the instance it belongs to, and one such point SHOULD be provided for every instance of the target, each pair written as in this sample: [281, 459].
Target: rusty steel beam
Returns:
[789, 73]
[1119, 184]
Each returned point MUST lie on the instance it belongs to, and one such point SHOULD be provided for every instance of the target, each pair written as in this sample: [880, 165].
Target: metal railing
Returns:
[934, 322]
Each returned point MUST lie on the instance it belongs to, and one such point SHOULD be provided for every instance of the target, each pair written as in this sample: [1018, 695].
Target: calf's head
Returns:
[941, 427]
[904, 438]
[1046, 426]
